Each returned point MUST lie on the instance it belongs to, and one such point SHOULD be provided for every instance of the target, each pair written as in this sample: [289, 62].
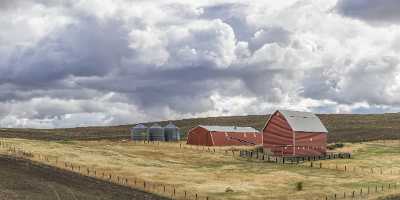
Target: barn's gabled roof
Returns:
[303, 121]
[229, 129]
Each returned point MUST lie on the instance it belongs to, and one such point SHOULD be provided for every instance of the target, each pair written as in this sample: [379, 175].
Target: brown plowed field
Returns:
[22, 180]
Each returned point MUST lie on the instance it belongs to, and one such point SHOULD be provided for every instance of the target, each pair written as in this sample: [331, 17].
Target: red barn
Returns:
[291, 133]
[224, 136]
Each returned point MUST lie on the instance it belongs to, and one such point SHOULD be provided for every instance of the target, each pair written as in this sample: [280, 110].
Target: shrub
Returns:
[228, 189]
[335, 145]
[299, 186]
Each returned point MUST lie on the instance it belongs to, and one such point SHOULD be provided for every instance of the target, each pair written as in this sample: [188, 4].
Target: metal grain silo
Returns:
[139, 132]
[156, 133]
[171, 132]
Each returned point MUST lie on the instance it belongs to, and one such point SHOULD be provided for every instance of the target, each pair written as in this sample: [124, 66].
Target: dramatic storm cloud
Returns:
[86, 62]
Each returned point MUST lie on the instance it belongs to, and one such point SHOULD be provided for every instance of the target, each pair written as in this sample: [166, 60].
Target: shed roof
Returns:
[230, 129]
[303, 121]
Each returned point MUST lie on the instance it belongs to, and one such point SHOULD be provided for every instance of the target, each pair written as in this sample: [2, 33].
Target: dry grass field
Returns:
[221, 176]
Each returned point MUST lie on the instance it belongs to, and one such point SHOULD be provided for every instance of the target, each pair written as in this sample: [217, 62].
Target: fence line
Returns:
[317, 164]
[167, 190]
[365, 192]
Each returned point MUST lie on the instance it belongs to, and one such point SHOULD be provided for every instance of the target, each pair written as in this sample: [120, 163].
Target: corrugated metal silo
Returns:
[139, 132]
[156, 133]
[171, 132]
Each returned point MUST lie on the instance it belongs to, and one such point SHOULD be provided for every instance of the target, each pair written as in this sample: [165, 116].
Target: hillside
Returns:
[342, 128]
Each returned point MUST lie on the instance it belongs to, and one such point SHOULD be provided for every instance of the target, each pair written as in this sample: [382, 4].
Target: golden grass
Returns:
[211, 173]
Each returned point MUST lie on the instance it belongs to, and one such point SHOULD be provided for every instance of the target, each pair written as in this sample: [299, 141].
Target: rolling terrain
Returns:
[221, 176]
[342, 128]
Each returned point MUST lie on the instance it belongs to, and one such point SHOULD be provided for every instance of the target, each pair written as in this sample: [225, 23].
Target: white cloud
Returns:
[74, 63]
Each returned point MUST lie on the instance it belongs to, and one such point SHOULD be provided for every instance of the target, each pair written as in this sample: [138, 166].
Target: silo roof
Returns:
[170, 125]
[140, 126]
[155, 126]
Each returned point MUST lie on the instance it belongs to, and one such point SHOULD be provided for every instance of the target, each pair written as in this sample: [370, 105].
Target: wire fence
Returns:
[163, 189]
[365, 192]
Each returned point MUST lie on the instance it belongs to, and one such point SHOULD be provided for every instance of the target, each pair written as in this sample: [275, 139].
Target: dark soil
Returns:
[22, 179]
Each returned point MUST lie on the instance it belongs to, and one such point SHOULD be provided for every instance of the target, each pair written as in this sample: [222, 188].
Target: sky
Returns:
[67, 63]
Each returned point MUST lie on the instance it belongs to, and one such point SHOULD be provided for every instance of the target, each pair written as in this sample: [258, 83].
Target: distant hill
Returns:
[342, 128]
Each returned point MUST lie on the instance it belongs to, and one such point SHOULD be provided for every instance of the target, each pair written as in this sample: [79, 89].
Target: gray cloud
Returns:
[125, 62]
[386, 11]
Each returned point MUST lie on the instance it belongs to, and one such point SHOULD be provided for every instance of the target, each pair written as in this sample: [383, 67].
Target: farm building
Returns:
[156, 133]
[172, 132]
[139, 132]
[294, 133]
[223, 136]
